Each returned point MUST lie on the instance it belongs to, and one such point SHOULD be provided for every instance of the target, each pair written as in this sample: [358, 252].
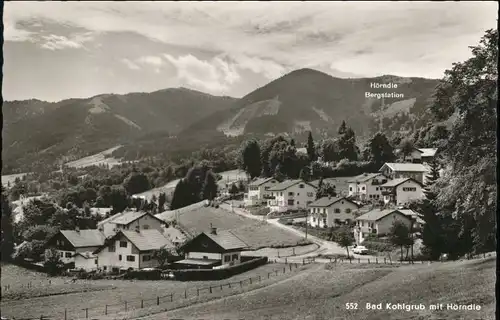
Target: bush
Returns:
[378, 245]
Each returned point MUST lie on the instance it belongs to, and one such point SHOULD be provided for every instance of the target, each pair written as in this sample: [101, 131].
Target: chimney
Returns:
[137, 229]
[213, 230]
[77, 229]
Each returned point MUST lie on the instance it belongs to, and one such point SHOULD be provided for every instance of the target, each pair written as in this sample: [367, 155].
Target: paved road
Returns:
[325, 247]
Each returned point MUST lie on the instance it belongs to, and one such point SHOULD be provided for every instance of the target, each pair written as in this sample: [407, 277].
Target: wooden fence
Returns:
[129, 305]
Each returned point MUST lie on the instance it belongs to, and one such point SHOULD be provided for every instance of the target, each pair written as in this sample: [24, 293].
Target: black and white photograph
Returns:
[249, 160]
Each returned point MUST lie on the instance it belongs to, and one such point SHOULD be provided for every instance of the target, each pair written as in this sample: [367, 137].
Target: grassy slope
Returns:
[256, 234]
[324, 293]
[115, 292]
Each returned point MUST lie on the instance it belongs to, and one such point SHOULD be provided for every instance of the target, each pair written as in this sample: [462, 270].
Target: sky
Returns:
[59, 50]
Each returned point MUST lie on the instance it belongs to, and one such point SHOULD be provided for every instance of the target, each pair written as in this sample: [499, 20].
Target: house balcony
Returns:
[387, 192]
[268, 197]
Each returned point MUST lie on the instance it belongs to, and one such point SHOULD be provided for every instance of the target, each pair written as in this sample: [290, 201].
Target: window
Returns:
[301, 186]
[104, 268]
[146, 258]
[227, 258]
[376, 189]
[298, 194]
[68, 255]
[281, 194]
[266, 188]
[363, 188]
[309, 202]
[235, 257]
[314, 219]
[298, 202]
[337, 210]
[350, 188]
[131, 258]
[123, 244]
[310, 194]
[337, 221]
[61, 254]
[205, 257]
[120, 257]
[290, 202]
[112, 248]
[324, 221]
[290, 194]
[95, 261]
[347, 210]
[145, 227]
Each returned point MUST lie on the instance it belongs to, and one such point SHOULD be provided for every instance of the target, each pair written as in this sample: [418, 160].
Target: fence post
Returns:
[359, 260]
[229, 285]
[268, 274]
[293, 251]
[250, 280]
[376, 260]
[276, 271]
[368, 260]
[303, 261]
[157, 301]
[125, 305]
[260, 279]
[86, 313]
[105, 310]
[286, 260]
[172, 297]
[290, 267]
[142, 303]
[65, 314]
[335, 259]
[197, 291]
[278, 253]
[210, 289]
[284, 270]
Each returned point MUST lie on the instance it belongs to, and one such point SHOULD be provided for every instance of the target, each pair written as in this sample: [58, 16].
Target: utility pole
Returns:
[307, 222]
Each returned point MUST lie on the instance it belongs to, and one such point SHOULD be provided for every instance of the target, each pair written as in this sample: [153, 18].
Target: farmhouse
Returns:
[420, 155]
[216, 249]
[366, 187]
[258, 191]
[129, 220]
[378, 222]
[70, 242]
[402, 191]
[416, 171]
[328, 212]
[418, 222]
[291, 195]
[131, 249]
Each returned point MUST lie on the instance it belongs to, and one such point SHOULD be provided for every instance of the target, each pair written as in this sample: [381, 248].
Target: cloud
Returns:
[216, 75]
[55, 42]
[151, 60]
[270, 69]
[131, 65]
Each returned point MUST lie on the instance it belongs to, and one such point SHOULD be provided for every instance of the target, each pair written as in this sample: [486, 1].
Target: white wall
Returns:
[111, 259]
[404, 195]
[64, 253]
[145, 221]
[346, 208]
[85, 264]
[367, 190]
[301, 196]
[201, 255]
[256, 196]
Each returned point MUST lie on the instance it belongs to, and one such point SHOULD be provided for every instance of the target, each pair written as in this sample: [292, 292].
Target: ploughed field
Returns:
[324, 291]
[51, 300]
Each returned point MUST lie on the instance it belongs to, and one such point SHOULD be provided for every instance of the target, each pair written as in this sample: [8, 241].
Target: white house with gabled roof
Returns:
[416, 171]
[378, 222]
[331, 211]
[258, 191]
[129, 220]
[291, 195]
[402, 191]
[366, 186]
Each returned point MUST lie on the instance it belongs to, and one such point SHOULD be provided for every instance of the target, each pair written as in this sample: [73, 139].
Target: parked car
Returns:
[360, 250]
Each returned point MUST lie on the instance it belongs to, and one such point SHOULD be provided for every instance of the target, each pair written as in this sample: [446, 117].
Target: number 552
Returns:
[351, 306]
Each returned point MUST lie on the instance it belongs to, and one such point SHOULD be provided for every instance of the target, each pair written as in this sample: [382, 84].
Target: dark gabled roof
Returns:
[328, 201]
[397, 182]
[377, 214]
[143, 240]
[364, 177]
[289, 183]
[84, 238]
[225, 239]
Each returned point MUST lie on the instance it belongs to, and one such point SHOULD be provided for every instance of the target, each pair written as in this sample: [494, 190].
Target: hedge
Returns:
[378, 245]
[248, 263]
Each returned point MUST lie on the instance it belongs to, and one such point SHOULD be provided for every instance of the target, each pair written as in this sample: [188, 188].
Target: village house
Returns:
[378, 222]
[214, 249]
[416, 171]
[420, 155]
[339, 184]
[129, 220]
[366, 186]
[258, 191]
[418, 222]
[328, 212]
[291, 195]
[69, 243]
[402, 191]
[131, 249]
